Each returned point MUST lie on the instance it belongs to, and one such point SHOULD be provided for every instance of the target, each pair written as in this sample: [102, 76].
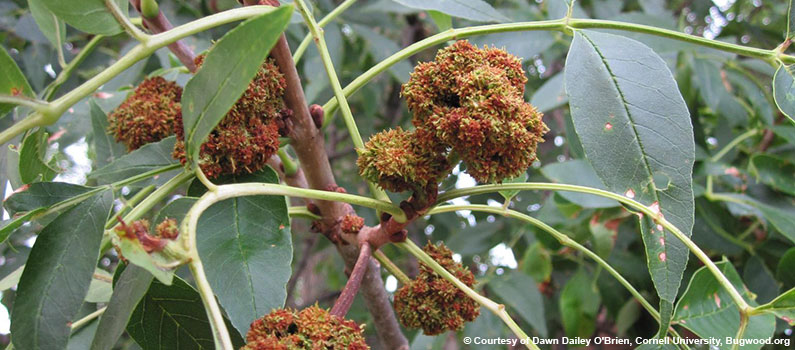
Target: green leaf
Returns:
[520, 292]
[508, 195]
[106, 148]
[49, 24]
[579, 303]
[773, 171]
[149, 157]
[173, 317]
[639, 139]
[44, 195]
[786, 132]
[11, 280]
[475, 10]
[627, 317]
[785, 271]
[57, 275]
[784, 90]
[713, 90]
[578, 172]
[707, 310]
[100, 290]
[12, 81]
[783, 306]
[537, 263]
[81, 338]
[781, 217]
[226, 73]
[381, 48]
[129, 287]
[551, 95]
[90, 16]
[443, 21]
[33, 167]
[246, 249]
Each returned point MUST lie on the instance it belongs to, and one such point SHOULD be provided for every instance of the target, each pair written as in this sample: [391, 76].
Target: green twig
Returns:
[733, 143]
[769, 56]
[347, 115]
[391, 267]
[24, 101]
[76, 325]
[727, 285]
[67, 71]
[322, 23]
[125, 23]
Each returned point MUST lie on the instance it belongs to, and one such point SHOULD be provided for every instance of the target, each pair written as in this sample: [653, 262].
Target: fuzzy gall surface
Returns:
[309, 329]
[399, 160]
[432, 303]
[248, 135]
[351, 223]
[471, 101]
[148, 114]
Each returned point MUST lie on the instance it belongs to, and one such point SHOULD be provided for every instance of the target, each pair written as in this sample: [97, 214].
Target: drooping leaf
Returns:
[106, 148]
[57, 275]
[90, 16]
[49, 24]
[636, 131]
[713, 90]
[760, 280]
[173, 317]
[784, 90]
[33, 167]
[578, 172]
[80, 339]
[226, 73]
[246, 248]
[475, 10]
[147, 158]
[521, 294]
[579, 303]
[707, 309]
[12, 81]
[773, 171]
[128, 288]
[627, 317]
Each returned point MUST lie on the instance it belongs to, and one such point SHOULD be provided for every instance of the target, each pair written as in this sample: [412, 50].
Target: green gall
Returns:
[148, 114]
[432, 303]
[399, 160]
[309, 329]
[149, 8]
[471, 101]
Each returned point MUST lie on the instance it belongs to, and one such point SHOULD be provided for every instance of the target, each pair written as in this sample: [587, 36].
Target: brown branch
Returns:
[161, 24]
[308, 143]
[344, 302]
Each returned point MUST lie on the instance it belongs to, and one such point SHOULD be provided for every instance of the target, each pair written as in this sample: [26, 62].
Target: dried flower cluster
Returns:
[165, 231]
[467, 103]
[248, 135]
[432, 303]
[149, 114]
[309, 329]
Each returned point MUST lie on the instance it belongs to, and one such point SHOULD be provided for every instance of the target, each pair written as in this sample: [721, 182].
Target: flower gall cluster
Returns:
[309, 329]
[248, 135]
[467, 103]
[432, 303]
[148, 114]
